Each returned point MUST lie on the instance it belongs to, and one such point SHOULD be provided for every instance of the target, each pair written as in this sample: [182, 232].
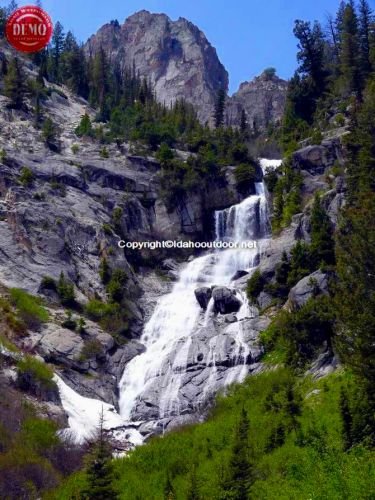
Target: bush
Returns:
[34, 376]
[111, 317]
[245, 176]
[84, 128]
[26, 177]
[115, 287]
[97, 310]
[104, 153]
[65, 289]
[91, 349]
[48, 283]
[255, 286]
[69, 323]
[30, 308]
[75, 148]
[49, 132]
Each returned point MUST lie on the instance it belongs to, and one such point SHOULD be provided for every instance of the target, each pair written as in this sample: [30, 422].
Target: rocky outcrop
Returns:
[313, 285]
[263, 100]
[225, 300]
[203, 296]
[316, 159]
[174, 55]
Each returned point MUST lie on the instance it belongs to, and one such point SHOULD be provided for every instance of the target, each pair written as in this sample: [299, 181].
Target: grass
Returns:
[309, 462]
[29, 307]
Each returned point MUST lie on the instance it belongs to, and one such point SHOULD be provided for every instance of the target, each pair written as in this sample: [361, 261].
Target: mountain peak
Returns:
[175, 55]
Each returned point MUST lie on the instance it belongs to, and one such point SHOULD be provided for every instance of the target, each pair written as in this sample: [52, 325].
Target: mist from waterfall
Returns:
[169, 334]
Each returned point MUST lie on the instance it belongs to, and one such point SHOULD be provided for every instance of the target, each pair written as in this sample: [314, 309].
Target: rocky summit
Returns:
[175, 55]
[262, 100]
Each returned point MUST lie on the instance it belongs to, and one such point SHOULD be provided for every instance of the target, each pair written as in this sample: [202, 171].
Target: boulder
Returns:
[203, 296]
[315, 284]
[239, 274]
[225, 300]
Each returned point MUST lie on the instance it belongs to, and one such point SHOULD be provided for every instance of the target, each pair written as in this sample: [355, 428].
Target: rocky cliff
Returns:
[262, 99]
[174, 55]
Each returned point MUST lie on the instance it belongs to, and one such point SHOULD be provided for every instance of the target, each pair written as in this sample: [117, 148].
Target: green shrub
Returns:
[3, 155]
[35, 371]
[97, 310]
[26, 177]
[69, 322]
[30, 308]
[245, 176]
[84, 128]
[49, 283]
[104, 153]
[75, 149]
[65, 289]
[91, 349]
[112, 317]
[107, 229]
[115, 287]
[255, 286]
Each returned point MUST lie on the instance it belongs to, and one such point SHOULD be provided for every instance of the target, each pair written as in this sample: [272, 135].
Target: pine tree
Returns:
[350, 50]
[3, 18]
[99, 469]
[311, 55]
[57, 47]
[73, 66]
[14, 84]
[365, 22]
[100, 84]
[322, 243]
[240, 472]
[220, 108]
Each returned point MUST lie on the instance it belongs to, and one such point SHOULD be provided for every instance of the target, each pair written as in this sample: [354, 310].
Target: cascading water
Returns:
[155, 383]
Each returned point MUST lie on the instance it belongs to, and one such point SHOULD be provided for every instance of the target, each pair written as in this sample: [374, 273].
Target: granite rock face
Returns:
[174, 55]
[263, 100]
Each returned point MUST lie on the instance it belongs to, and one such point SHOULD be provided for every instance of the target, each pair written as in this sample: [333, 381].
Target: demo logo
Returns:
[29, 29]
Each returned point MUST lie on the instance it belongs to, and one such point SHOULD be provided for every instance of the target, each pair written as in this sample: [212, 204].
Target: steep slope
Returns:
[174, 55]
[262, 99]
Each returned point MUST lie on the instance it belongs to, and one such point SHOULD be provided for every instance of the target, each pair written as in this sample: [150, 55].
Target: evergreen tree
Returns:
[311, 55]
[14, 83]
[365, 23]
[99, 469]
[220, 108]
[100, 84]
[322, 243]
[73, 66]
[3, 18]
[240, 471]
[350, 50]
[85, 127]
[57, 47]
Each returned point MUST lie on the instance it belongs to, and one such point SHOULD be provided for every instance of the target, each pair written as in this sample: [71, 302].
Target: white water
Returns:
[169, 334]
[172, 326]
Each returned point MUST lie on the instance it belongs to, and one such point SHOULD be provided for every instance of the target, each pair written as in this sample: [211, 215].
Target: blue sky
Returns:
[249, 35]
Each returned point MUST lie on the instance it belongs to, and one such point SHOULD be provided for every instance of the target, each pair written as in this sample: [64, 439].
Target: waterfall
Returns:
[153, 382]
